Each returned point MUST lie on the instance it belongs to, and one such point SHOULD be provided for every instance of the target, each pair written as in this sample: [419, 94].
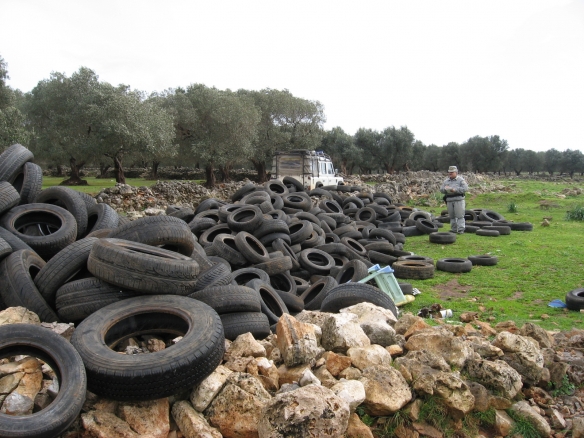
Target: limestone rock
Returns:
[60, 328]
[335, 363]
[363, 357]
[454, 350]
[352, 391]
[296, 341]
[191, 423]
[236, 410]
[149, 418]
[311, 411]
[450, 389]
[375, 321]
[503, 423]
[497, 375]
[523, 409]
[17, 404]
[510, 343]
[18, 315]
[246, 345]
[404, 322]
[101, 424]
[341, 332]
[536, 332]
[357, 429]
[204, 393]
[386, 390]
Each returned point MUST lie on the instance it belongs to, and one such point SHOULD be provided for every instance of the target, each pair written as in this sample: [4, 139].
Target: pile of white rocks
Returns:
[319, 370]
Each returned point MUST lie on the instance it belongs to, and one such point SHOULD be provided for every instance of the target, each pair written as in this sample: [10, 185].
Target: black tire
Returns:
[442, 238]
[271, 304]
[226, 248]
[39, 342]
[411, 231]
[143, 268]
[212, 213]
[186, 214]
[502, 229]
[300, 231]
[414, 270]
[207, 237]
[426, 226]
[353, 271]
[330, 206]
[301, 285]
[146, 376]
[269, 239]
[292, 182]
[5, 249]
[14, 242]
[471, 229]
[17, 272]
[275, 266]
[293, 302]
[483, 260]
[406, 288]
[245, 275]
[208, 204]
[251, 248]
[416, 258]
[454, 265]
[575, 299]
[218, 274]
[62, 267]
[521, 226]
[89, 200]
[101, 217]
[283, 282]
[78, 299]
[29, 182]
[381, 234]
[316, 261]
[349, 294]
[354, 247]
[298, 200]
[381, 258]
[271, 227]
[235, 324]
[316, 293]
[9, 196]
[419, 215]
[490, 216]
[276, 187]
[487, 233]
[286, 249]
[229, 298]
[70, 200]
[12, 160]
[199, 225]
[168, 232]
[240, 193]
[247, 218]
[58, 225]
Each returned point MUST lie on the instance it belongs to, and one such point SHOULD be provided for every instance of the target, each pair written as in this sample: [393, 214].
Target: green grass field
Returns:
[533, 269]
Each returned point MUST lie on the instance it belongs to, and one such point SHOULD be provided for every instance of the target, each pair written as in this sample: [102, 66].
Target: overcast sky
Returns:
[448, 70]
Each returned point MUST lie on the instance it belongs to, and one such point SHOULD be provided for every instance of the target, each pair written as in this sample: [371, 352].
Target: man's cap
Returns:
[452, 169]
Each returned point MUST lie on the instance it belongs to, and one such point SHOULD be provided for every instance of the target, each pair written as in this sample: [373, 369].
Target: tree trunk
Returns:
[59, 170]
[154, 171]
[74, 179]
[210, 176]
[119, 169]
[103, 168]
[225, 173]
[260, 167]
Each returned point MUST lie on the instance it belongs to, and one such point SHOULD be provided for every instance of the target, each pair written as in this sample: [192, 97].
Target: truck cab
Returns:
[312, 169]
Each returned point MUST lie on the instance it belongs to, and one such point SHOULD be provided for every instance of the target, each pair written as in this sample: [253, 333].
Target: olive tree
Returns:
[12, 120]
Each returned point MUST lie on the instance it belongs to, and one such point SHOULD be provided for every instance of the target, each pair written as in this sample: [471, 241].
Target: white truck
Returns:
[312, 169]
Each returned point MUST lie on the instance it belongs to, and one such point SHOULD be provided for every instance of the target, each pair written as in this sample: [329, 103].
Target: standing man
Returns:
[454, 187]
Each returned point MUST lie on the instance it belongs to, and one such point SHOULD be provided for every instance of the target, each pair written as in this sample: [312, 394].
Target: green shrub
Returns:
[575, 214]
[522, 426]
[512, 208]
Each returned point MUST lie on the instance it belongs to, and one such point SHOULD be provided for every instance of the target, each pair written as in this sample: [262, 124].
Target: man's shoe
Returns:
[460, 232]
